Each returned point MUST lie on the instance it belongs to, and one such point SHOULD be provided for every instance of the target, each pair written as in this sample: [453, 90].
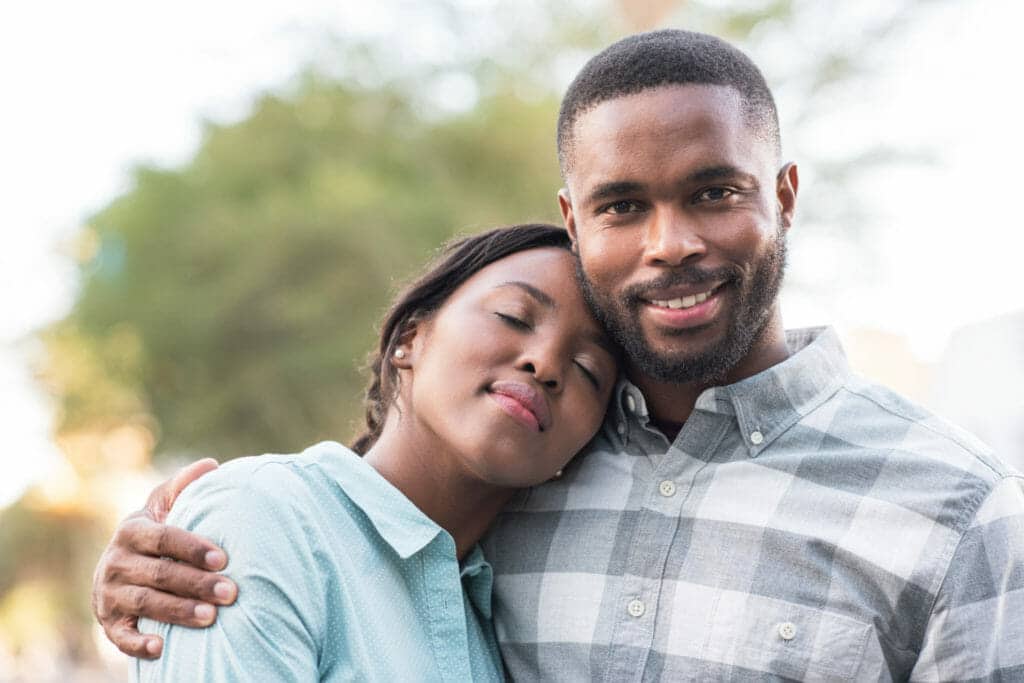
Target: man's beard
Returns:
[753, 301]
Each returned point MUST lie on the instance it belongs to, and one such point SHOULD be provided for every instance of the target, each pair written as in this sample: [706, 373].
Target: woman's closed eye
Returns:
[513, 320]
[589, 374]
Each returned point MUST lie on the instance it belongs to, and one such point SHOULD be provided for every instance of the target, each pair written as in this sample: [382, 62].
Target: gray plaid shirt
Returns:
[805, 524]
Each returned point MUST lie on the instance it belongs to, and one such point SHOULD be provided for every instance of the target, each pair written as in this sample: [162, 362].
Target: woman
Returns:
[489, 376]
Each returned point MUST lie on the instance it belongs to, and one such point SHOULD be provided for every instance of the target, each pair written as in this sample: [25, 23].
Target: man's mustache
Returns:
[639, 291]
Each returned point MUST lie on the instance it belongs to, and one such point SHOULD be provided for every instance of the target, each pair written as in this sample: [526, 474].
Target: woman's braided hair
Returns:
[458, 261]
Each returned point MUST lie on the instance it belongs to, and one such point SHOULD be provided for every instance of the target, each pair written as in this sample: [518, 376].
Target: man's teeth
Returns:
[684, 302]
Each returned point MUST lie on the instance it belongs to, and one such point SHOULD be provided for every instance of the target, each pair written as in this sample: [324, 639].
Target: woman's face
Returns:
[512, 375]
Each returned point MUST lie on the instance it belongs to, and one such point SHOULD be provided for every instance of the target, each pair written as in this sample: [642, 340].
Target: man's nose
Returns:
[672, 238]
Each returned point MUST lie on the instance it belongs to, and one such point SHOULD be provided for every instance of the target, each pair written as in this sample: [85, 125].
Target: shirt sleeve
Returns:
[976, 628]
[272, 630]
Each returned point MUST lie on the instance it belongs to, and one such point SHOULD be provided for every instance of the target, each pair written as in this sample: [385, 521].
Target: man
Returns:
[751, 509]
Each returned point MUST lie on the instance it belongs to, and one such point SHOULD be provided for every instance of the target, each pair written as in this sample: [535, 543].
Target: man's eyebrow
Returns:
[712, 173]
[618, 188]
[532, 291]
[614, 189]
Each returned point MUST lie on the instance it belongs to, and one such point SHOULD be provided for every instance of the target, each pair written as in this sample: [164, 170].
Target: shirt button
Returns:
[667, 488]
[630, 403]
[787, 630]
[621, 428]
[756, 437]
[636, 608]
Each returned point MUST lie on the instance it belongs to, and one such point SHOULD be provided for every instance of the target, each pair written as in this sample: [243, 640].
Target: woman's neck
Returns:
[460, 504]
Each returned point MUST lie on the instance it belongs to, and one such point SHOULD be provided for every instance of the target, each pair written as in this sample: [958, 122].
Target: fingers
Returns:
[124, 633]
[179, 579]
[162, 498]
[137, 601]
[139, 535]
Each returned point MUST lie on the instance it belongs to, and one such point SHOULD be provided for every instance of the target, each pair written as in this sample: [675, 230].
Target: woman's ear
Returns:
[401, 358]
[404, 350]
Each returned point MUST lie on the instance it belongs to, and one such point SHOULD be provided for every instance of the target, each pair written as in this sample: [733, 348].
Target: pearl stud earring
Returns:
[399, 353]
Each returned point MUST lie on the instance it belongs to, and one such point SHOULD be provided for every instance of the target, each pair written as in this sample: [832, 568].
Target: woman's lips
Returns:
[523, 403]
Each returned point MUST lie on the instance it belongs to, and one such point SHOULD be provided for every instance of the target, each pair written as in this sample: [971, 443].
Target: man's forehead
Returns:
[676, 130]
[664, 104]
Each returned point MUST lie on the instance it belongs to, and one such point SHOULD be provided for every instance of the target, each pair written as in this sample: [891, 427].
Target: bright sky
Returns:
[93, 87]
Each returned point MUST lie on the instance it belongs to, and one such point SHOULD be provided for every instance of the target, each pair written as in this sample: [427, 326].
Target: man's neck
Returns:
[670, 404]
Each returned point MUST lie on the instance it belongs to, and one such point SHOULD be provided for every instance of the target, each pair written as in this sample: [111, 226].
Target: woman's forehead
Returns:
[543, 268]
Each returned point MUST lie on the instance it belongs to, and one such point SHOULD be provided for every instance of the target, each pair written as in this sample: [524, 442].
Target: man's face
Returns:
[679, 218]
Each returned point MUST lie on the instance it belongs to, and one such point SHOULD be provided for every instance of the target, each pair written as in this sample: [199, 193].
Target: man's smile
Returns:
[691, 310]
[681, 298]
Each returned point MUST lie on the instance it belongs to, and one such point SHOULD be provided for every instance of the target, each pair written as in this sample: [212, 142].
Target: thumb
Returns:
[163, 496]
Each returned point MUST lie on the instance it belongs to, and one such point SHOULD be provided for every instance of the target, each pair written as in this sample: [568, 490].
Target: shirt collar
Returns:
[764, 405]
[478, 579]
[400, 523]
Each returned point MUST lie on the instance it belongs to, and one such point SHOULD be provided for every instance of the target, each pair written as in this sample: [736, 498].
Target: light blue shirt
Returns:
[340, 577]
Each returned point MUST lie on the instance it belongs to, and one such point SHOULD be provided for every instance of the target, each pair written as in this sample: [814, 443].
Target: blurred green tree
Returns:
[229, 302]
[235, 298]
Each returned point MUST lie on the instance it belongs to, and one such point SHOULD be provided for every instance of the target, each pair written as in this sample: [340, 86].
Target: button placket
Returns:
[787, 630]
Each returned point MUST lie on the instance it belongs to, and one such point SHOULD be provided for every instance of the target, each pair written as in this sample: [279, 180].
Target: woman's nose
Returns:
[545, 367]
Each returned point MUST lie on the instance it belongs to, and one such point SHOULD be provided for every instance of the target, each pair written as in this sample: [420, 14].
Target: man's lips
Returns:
[683, 296]
[523, 403]
[681, 308]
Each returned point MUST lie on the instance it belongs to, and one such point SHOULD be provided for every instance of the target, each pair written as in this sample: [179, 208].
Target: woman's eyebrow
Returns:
[537, 294]
[601, 340]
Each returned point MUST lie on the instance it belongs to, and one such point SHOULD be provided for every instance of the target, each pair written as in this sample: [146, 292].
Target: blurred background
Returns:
[207, 206]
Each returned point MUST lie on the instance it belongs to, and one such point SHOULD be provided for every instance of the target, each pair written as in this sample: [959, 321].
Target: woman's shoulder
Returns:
[269, 486]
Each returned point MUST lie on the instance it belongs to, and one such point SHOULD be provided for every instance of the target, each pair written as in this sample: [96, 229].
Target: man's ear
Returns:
[565, 205]
[786, 185]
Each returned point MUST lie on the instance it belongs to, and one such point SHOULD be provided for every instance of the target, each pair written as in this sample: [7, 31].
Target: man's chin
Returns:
[683, 344]
[703, 355]
[677, 368]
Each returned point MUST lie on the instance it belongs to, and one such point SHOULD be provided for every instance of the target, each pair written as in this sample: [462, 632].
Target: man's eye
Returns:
[513, 321]
[623, 206]
[714, 194]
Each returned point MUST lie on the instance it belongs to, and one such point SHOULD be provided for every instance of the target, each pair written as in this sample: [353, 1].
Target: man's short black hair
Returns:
[667, 57]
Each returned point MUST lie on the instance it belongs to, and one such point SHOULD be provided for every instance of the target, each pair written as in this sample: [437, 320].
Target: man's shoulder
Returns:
[884, 418]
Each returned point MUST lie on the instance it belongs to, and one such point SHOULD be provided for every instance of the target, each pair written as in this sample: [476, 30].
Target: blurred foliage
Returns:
[234, 298]
[231, 301]
[43, 583]
[226, 306]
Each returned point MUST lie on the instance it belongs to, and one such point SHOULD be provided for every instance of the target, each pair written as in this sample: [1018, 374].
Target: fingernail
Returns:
[153, 647]
[215, 559]
[204, 612]
[223, 590]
